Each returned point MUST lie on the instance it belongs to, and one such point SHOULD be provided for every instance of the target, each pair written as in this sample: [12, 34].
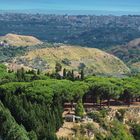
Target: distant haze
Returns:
[97, 7]
[71, 12]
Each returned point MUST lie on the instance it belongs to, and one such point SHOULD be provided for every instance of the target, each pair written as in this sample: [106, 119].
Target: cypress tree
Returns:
[64, 73]
[79, 109]
[82, 74]
[38, 72]
[72, 75]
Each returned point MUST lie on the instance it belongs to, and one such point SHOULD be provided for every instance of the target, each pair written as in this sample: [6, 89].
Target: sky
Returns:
[122, 6]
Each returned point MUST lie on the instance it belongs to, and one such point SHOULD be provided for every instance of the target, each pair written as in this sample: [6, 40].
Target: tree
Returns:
[82, 74]
[136, 131]
[72, 75]
[10, 129]
[79, 109]
[20, 74]
[104, 89]
[64, 73]
[38, 72]
[58, 67]
[129, 90]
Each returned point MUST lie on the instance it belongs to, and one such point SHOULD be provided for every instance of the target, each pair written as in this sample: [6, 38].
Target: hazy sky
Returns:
[129, 6]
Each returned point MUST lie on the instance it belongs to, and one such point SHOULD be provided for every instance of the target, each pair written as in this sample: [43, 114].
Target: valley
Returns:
[69, 77]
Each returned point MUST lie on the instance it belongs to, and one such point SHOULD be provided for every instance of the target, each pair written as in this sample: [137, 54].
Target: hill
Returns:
[20, 40]
[129, 53]
[73, 57]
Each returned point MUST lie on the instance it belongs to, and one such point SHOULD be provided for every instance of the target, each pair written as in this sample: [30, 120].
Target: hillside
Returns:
[32, 53]
[20, 40]
[129, 53]
[73, 57]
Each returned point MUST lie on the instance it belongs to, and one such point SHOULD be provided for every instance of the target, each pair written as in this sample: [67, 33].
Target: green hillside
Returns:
[129, 53]
[74, 57]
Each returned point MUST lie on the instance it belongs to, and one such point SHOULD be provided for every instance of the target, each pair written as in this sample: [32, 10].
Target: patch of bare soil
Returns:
[66, 130]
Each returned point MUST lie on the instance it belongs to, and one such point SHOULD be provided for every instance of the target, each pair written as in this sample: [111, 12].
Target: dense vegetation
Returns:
[31, 104]
[112, 88]
[9, 128]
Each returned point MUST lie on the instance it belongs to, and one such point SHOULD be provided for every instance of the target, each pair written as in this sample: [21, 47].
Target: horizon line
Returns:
[70, 12]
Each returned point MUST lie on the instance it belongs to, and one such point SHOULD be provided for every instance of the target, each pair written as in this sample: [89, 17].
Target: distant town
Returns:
[85, 30]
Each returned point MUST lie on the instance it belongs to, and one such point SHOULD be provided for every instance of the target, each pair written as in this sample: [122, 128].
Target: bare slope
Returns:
[73, 57]
[20, 40]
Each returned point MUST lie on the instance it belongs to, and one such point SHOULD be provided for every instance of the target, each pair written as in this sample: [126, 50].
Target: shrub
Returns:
[96, 116]
[66, 61]
[136, 131]
[103, 112]
[120, 114]
[119, 132]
